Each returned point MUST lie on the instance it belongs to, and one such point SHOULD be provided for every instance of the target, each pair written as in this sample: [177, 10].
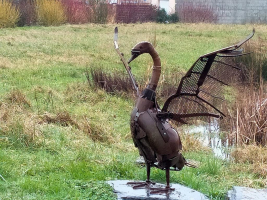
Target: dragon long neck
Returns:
[147, 99]
[156, 70]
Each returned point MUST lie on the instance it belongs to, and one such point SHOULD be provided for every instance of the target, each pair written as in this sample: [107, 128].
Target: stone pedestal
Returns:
[126, 192]
[245, 193]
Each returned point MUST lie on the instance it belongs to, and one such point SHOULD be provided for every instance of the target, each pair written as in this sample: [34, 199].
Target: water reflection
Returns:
[212, 137]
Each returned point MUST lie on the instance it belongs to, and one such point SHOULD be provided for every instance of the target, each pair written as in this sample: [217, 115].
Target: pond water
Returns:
[212, 137]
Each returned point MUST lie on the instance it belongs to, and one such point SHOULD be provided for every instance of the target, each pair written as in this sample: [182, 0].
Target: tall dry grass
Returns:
[111, 83]
[21, 126]
[9, 14]
[255, 155]
[255, 62]
[17, 124]
[118, 83]
[50, 12]
[247, 116]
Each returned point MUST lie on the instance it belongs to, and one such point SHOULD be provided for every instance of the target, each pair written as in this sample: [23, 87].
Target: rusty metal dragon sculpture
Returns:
[197, 96]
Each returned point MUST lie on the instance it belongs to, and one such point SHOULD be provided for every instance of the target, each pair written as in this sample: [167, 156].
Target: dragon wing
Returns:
[200, 91]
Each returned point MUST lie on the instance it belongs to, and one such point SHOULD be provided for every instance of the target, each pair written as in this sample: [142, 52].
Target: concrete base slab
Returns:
[125, 191]
[245, 193]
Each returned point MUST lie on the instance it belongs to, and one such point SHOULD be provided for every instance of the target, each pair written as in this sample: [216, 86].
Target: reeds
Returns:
[111, 83]
[118, 83]
[247, 116]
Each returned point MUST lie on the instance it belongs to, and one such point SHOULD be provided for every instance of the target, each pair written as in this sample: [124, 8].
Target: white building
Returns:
[168, 5]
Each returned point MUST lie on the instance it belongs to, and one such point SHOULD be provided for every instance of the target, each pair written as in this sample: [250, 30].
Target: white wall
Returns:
[234, 11]
[168, 5]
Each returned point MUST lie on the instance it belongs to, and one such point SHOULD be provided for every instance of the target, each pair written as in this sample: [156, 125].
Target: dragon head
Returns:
[140, 48]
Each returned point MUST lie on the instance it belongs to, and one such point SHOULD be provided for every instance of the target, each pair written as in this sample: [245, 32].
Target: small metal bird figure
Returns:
[197, 97]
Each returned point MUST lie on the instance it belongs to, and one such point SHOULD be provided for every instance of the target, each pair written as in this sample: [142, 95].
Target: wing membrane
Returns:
[200, 92]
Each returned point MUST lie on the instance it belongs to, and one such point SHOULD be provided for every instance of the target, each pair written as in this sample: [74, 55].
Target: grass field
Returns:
[61, 138]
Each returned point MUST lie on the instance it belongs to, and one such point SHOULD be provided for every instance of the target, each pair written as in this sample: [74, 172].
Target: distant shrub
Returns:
[98, 11]
[101, 13]
[172, 18]
[112, 14]
[94, 11]
[191, 13]
[9, 14]
[27, 12]
[163, 17]
[50, 12]
[76, 11]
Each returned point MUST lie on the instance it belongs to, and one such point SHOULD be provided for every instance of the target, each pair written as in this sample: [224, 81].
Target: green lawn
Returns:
[61, 139]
